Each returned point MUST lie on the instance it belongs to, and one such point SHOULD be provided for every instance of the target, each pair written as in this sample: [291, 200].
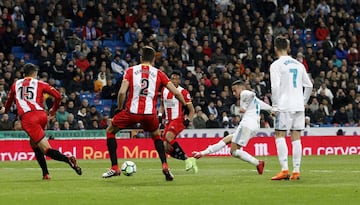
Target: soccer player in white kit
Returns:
[291, 88]
[250, 107]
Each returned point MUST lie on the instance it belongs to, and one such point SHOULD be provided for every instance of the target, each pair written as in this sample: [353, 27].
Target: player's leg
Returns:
[214, 147]
[34, 124]
[40, 158]
[281, 125]
[174, 149]
[45, 147]
[111, 144]
[297, 154]
[150, 124]
[240, 139]
[119, 121]
[298, 125]
[159, 146]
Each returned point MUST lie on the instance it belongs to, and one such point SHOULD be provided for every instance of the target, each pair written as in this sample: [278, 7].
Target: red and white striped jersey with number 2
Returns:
[145, 82]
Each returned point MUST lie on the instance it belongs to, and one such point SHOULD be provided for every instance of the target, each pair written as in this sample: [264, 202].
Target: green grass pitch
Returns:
[221, 180]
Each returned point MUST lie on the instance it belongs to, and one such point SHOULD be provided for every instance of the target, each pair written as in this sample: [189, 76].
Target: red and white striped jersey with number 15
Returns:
[145, 81]
[29, 95]
[173, 107]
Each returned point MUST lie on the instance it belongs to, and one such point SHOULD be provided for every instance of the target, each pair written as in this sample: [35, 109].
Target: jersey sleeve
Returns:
[307, 84]
[53, 92]
[128, 74]
[10, 98]
[263, 105]
[186, 96]
[275, 85]
[164, 80]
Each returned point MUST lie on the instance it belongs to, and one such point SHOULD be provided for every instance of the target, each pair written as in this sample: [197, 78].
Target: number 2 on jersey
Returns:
[144, 86]
[294, 74]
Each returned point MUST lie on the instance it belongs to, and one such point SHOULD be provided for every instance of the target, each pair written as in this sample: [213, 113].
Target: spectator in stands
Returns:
[61, 115]
[81, 125]
[75, 84]
[235, 108]
[130, 36]
[211, 109]
[340, 99]
[212, 122]
[73, 124]
[88, 83]
[56, 126]
[324, 92]
[100, 82]
[70, 107]
[199, 122]
[84, 117]
[322, 31]
[95, 114]
[82, 62]
[109, 91]
[350, 113]
[5, 123]
[118, 66]
[327, 107]
[340, 117]
[89, 32]
[314, 105]
[319, 116]
[3, 93]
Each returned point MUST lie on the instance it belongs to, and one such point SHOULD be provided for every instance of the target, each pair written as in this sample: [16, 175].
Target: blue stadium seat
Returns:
[17, 49]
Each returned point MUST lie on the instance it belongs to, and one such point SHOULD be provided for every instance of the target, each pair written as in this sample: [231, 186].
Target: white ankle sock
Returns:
[282, 151]
[297, 153]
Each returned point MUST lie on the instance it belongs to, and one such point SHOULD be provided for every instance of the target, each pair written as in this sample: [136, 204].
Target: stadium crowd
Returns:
[82, 49]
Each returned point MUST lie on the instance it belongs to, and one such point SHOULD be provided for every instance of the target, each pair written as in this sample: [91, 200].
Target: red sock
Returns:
[115, 167]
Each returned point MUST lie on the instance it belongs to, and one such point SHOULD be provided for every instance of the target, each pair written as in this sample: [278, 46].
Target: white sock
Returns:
[241, 154]
[282, 151]
[213, 148]
[297, 153]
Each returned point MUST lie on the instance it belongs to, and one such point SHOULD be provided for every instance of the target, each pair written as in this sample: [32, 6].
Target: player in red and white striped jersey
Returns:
[28, 94]
[140, 84]
[176, 121]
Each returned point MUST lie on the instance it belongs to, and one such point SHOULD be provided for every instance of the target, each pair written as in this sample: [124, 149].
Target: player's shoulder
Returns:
[246, 93]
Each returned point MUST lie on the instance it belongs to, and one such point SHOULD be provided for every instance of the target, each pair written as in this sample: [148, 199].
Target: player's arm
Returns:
[10, 98]
[176, 93]
[161, 108]
[189, 105]
[263, 105]
[57, 98]
[122, 93]
[191, 109]
[307, 84]
[275, 87]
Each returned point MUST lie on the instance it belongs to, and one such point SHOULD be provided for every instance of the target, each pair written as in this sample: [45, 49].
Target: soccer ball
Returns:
[128, 168]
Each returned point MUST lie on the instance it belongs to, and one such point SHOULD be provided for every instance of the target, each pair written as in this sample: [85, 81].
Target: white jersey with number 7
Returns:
[288, 78]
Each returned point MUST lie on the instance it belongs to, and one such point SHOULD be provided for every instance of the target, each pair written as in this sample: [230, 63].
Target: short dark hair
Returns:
[147, 53]
[30, 68]
[238, 82]
[176, 72]
[281, 43]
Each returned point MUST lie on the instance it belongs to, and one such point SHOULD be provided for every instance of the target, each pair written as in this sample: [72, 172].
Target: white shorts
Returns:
[242, 135]
[290, 121]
